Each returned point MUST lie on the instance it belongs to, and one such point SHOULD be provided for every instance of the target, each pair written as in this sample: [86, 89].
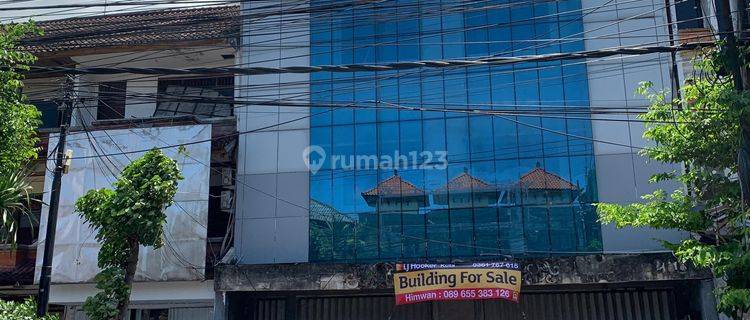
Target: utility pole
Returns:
[742, 25]
[45, 277]
[671, 27]
[726, 34]
[741, 83]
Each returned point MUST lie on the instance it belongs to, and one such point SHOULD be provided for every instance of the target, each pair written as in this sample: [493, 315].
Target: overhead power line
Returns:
[599, 36]
[115, 4]
[388, 105]
[157, 23]
[457, 244]
[296, 33]
[495, 61]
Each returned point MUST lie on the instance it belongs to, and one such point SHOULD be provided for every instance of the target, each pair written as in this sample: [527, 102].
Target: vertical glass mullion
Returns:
[505, 131]
[410, 129]
[434, 136]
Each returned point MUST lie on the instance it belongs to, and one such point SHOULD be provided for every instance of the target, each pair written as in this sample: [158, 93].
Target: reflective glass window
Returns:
[498, 162]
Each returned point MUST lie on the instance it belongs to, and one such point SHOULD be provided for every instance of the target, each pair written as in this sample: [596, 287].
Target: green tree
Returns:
[26, 310]
[18, 124]
[131, 215]
[18, 119]
[701, 132]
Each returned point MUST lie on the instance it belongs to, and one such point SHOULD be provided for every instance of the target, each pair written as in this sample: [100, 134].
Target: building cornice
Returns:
[586, 269]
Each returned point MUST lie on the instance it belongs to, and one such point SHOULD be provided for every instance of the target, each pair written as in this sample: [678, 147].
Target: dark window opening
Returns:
[111, 100]
[221, 197]
[149, 314]
[219, 208]
[201, 97]
[690, 14]
[50, 114]
[28, 224]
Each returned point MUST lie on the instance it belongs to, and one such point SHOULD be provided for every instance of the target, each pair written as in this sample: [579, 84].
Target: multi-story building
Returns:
[115, 119]
[341, 174]
[346, 173]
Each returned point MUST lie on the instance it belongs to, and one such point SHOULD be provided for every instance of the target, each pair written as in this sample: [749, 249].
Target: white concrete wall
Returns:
[622, 175]
[272, 179]
[143, 293]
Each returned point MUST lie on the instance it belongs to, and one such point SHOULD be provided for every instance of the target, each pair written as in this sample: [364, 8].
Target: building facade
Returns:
[345, 173]
[115, 118]
[336, 176]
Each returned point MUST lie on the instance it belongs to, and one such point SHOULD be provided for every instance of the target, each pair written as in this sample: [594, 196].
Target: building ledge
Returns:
[588, 269]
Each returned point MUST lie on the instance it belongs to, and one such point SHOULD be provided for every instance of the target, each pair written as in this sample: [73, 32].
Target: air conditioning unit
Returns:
[227, 177]
[226, 199]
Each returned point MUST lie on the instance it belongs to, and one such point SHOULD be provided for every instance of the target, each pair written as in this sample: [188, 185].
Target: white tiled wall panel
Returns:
[273, 181]
[622, 175]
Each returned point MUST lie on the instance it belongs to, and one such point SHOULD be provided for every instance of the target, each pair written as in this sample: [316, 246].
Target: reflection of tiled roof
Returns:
[465, 182]
[165, 26]
[541, 179]
[394, 186]
[324, 212]
[22, 274]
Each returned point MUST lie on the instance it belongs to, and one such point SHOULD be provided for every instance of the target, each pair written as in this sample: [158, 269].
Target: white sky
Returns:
[7, 15]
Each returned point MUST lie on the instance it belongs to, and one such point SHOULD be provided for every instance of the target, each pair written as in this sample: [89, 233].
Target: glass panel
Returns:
[364, 96]
[438, 233]
[511, 231]
[408, 29]
[321, 136]
[562, 227]
[343, 95]
[414, 235]
[536, 225]
[453, 35]
[462, 232]
[476, 33]
[499, 33]
[322, 216]
[367, 236]
[390, 234]
[457, 125]
[320, 98]
[486, 231]
[431, 40]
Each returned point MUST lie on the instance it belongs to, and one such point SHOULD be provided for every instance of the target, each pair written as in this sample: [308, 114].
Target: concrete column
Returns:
[220, 306]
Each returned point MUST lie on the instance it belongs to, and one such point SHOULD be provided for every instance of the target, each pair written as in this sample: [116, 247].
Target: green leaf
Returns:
[24, 310]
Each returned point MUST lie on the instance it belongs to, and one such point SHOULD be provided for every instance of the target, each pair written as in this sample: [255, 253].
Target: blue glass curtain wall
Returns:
[461, 184]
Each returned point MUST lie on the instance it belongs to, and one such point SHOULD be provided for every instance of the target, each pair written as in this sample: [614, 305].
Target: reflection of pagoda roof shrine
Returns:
[465, 186]
[395, 188]
[465, 183]
[391, 188]
[540, 179]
